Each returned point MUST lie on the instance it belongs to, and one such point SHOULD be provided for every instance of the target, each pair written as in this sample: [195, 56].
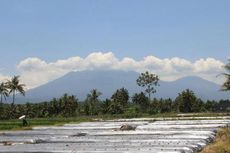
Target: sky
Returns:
[43, 40]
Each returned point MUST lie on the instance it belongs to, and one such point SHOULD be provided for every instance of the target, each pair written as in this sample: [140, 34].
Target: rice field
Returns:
[149, 135]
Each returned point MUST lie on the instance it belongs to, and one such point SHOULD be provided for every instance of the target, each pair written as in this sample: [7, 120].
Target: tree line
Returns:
[120, 103]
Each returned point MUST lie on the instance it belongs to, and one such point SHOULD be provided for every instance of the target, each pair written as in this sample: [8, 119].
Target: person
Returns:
[23, 118]
[24, 122]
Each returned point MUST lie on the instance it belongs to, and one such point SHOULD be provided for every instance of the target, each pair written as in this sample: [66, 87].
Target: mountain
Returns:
[108, 81]
[203, 89]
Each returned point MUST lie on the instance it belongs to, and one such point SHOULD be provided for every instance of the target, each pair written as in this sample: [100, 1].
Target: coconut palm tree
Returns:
[92, 99]
[3, 91]
[14, 87]
[226, 84]
[94, 94]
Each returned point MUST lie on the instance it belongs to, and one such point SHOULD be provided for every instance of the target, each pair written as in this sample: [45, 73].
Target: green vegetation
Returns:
[119, 101]
[141, 100]
[14, 87]
[119, 104]
[226, 85]
[148, 80]
[17, 124]
[221, 143]
[92, 102]
[3, 91]
[187, 102]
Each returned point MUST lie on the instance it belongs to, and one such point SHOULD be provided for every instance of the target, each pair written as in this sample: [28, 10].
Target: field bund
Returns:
[152, 135]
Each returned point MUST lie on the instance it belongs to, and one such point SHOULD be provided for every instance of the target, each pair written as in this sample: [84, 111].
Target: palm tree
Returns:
[92, 98]
[94, 94]
[14, 87]
[226, 85]
[3, 91]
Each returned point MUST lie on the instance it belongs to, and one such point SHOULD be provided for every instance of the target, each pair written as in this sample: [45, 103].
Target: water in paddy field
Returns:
[149, 136]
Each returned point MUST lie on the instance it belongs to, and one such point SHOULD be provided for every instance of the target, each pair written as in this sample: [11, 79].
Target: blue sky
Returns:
[58, 29]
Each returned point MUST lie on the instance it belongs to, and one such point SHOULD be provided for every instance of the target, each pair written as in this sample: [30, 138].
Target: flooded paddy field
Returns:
[147, 136]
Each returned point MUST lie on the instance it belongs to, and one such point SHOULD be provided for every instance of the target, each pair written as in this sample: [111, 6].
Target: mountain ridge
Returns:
[108, 81]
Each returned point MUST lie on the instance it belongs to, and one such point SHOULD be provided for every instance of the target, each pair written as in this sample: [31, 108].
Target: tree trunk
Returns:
[13, 97]
[149, 92]
[149, 96]
[1, 98]
[12, 113]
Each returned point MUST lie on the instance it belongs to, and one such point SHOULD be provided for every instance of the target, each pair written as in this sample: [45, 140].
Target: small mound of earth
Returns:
[7, 143]
[78, 135]
[38, 141]
[127, 127]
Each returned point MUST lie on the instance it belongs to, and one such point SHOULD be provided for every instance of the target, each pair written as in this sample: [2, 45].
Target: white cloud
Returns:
[3, 78]
[35, 71]
[99, 60]
[208, 65]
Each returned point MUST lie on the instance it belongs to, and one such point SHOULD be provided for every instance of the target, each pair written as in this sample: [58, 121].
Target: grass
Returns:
[221, 143]
[17, 124]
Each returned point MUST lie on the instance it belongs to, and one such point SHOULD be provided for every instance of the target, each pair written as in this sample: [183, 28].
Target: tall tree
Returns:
[105, 106]
[121, 96]
[3, 91]
[187, 101]
[119, 101]
[92, 101]
[148, 80]
[68, 105]
[14, 87]
[226, 85]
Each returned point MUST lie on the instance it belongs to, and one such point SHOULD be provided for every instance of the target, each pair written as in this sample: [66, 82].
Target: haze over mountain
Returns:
[108, 81]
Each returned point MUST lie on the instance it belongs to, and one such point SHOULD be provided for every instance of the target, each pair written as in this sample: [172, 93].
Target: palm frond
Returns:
[226, 84]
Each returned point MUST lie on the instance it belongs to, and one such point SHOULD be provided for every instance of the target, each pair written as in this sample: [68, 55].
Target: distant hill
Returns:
[80, 83]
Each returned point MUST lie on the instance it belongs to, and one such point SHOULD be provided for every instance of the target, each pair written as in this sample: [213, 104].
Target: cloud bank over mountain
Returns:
[35, 71]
